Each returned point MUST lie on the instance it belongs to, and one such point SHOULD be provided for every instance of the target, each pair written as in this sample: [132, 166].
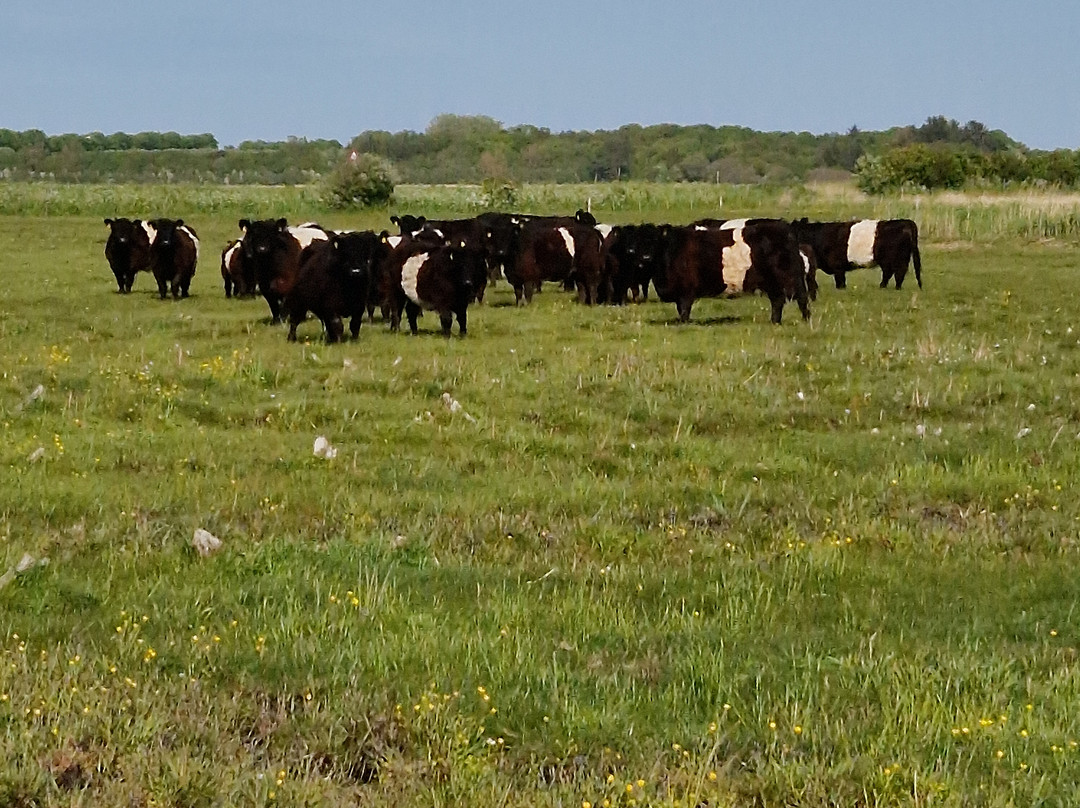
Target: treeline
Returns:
[155, 157]
[941, 153]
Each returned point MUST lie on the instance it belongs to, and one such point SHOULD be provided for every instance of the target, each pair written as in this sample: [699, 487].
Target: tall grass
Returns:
[941, 217]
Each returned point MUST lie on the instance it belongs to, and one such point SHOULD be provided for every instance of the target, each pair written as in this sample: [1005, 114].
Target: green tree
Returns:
[360, 181]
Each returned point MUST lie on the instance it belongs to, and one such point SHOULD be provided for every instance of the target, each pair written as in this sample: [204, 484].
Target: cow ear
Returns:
[282, 224]
[384, 237]
[179, 222]
[109, 222]
[395, 220]
[244, 224]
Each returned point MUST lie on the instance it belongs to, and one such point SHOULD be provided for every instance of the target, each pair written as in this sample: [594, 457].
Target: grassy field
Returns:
[720, 563]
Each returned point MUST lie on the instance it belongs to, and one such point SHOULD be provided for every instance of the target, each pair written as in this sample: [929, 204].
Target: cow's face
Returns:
[500, 241]
[165, 230]
[263, 237]
[468, 265]
[408, 224]
[122, 231]
[355, 253]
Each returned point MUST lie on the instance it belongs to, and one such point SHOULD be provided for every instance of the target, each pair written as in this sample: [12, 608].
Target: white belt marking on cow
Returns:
[194, 238]
[229, 253]
[734, 224]
[151, 231]
[860, 243]
[805, 263]
[604, 230]
[736, 262]
[409, 273]
[568, 239]
[393, 241]
[306, 235]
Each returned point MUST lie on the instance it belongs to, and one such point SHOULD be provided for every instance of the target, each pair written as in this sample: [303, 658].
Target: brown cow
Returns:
[443, 279]
[702, 261]
[232, 270]
[842, 246]
[334, 281]
[128, 250]
[174, 254]
[272, 252]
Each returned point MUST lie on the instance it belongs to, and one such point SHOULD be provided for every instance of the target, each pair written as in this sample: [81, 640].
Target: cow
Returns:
[633, 254]
[702, 261]
[334, 281]
[442, 279]
[233, 273]
[564, 249]
[128, 250]
[272, 252]
[842, 246]
[174, 254]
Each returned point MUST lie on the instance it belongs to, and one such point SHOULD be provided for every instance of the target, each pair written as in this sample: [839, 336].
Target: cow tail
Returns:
[915, 259]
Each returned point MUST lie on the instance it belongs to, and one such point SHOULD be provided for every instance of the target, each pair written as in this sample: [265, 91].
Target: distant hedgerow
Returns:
[360, 181]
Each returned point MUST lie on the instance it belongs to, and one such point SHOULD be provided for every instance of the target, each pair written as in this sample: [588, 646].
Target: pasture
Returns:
[719, 563]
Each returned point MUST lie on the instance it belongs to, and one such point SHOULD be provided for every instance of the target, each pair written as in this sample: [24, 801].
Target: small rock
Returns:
[324, 449]
[205, 542]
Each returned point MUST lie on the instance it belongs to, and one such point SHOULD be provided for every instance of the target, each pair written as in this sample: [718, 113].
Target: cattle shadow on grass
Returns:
[726, 319]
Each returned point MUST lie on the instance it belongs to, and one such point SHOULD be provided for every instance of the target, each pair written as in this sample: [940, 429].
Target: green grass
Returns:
[827, 564]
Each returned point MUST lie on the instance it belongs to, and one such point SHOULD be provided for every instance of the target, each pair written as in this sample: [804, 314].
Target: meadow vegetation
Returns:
[718, 563]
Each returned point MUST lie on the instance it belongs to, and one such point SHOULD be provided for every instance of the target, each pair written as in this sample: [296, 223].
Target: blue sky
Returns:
[267, 70]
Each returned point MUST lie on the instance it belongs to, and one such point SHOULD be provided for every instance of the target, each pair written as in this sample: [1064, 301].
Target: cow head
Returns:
[123, 231]
[468, 266]
[165, 230]
[408, 224]
[263, 237]
[355, 253]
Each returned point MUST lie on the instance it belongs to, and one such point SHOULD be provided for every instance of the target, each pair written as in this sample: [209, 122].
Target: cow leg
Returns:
[900, 274]
[461, 324]
[683, 307]
[334, 329]
[778, 309]
[228, 288]
[446, 319]
[411, 311]
[804, 306]
[355, 322]
[519, 293]
[293, 322]
[841, 279]
[275, 308]
[162, 290]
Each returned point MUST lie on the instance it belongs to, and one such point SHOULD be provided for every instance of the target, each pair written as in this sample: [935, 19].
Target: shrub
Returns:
[360, 181]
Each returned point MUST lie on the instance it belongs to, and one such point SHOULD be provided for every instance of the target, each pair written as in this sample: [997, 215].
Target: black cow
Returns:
[633, 256]
[441, 279]
[842, 246]
[128, 250]
[174, 254]
[334, 281]
[702, 261]
[272, 252]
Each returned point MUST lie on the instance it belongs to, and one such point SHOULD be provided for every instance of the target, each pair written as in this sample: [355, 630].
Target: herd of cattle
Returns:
[444, 266]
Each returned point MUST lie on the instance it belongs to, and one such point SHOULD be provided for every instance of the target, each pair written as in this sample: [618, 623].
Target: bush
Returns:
[360, 181]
